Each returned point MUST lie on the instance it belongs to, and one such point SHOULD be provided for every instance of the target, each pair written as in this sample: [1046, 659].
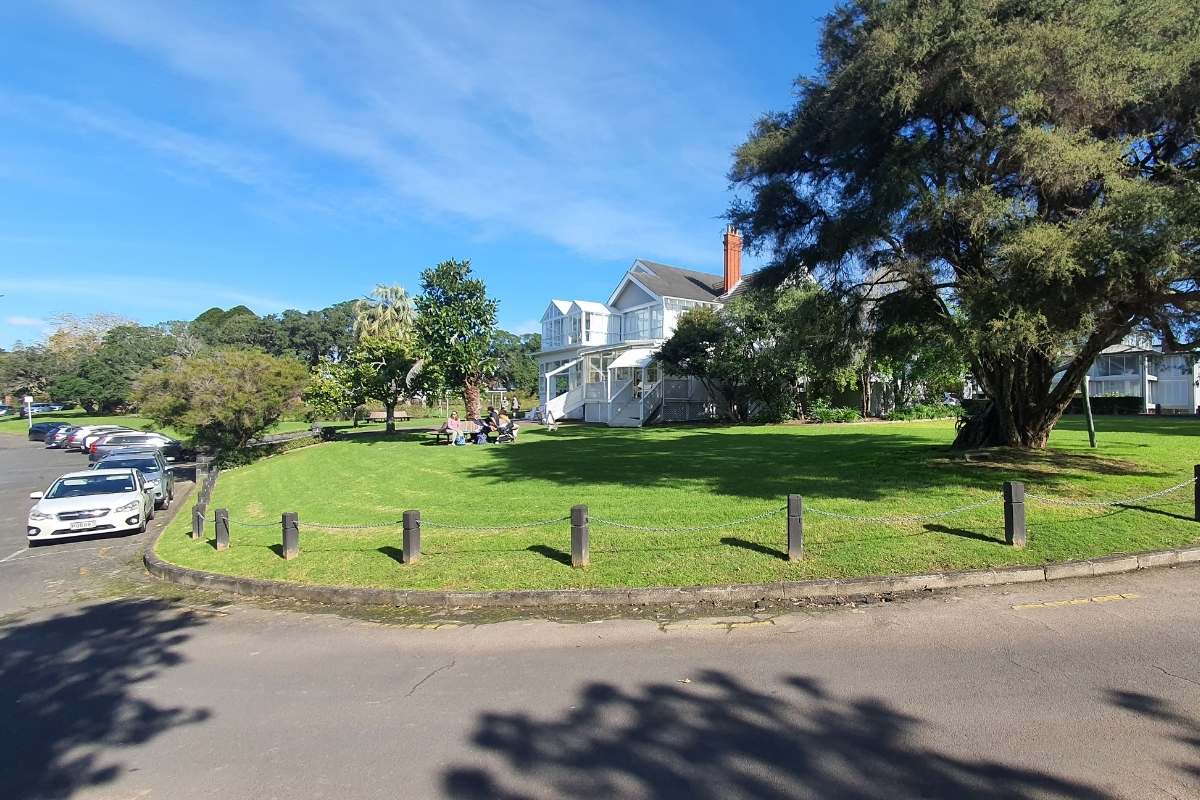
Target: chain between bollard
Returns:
[483, 528]
[688, 528]
[1057, 501]
[899, 519]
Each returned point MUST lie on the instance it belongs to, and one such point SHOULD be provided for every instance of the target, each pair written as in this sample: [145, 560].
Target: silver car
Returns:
[158, 476]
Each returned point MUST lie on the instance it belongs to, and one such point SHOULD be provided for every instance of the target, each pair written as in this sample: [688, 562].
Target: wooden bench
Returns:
[381, 416]
[469, 429]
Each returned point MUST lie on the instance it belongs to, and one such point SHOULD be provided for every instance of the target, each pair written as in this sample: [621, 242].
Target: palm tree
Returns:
[388, 311]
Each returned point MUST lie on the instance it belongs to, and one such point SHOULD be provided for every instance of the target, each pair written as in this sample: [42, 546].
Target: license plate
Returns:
[82, 525]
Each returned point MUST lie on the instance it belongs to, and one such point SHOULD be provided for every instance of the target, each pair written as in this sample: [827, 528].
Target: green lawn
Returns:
[682, 476]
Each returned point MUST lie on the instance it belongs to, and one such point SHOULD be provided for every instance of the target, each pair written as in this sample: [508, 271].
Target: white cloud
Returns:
[25, 322]
[538, 119]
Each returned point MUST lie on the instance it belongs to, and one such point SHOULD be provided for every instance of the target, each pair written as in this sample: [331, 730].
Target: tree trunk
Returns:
[390, 408]
[470, 395]
[1023, 404]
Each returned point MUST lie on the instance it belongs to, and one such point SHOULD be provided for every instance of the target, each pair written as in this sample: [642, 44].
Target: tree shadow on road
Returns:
[67, 693]
[1186, 727]
[720, 738]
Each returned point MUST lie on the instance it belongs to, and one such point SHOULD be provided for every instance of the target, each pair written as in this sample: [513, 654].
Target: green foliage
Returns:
[378, 369]
[516, 362]
[756, 351]
[1028, 170]
[387, 312]
[103, 381]
[332, 391]
[223, 398]
[455, 326]
[925, 411]
[822, 411]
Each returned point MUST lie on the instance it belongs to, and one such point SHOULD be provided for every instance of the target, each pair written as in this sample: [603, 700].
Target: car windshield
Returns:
[90, 484]
[146, 465]
[129, 439]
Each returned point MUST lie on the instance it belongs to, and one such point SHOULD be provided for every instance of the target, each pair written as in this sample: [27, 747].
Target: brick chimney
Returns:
[733, 258]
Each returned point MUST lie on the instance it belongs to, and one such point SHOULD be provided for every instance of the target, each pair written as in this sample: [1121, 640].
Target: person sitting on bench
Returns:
[452, 428]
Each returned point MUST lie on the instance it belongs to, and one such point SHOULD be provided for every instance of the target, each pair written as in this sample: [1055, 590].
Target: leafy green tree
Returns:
[379, 369]
[455, 324]
[1029, 168]
[222, 398]
[28, 370]
[333, 390]
[516, 366]
[104, 380]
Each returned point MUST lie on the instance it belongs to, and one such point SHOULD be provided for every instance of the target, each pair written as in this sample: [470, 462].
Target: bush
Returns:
[224, 398]
[1124, 404]
[925, 411]
[821, 411]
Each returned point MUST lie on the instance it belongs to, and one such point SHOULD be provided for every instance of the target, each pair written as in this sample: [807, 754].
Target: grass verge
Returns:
[692, 476]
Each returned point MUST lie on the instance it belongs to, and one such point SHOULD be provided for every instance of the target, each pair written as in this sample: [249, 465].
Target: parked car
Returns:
[154, 469]
[5, 410]
[83, 503]
[45, 408]
[140, 440]
[38, 431]
[59, 437]
[75, 440]
[98, 434]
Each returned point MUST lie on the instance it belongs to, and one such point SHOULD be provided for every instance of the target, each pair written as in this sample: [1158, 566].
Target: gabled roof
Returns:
[593, 307]
[561, 306]
[668, 281]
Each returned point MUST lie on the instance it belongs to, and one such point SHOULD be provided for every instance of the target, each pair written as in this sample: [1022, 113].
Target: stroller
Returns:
[508, 433]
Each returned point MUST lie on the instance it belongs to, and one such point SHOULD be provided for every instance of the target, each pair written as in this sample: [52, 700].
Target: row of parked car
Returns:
[36, 408]
[127, 480]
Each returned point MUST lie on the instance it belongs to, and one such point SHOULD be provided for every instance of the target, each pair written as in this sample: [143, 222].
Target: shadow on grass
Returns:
[394, 553]
[552, 553]
[745, 544]
[859, 462]
[1161, 512]
[964, 533]
[721, 737]
[69, 691]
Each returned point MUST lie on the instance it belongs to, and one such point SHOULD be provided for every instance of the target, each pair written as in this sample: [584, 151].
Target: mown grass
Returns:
[687, 476]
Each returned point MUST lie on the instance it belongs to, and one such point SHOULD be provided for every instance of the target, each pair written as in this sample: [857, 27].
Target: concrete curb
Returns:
[817, 590]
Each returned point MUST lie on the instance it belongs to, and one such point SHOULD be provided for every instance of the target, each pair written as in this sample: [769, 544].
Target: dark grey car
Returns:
[154, 469]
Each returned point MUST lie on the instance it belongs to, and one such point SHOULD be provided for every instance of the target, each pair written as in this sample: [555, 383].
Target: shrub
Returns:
[821, 411]
[925, 411]
[224, 398]
[1126, 404]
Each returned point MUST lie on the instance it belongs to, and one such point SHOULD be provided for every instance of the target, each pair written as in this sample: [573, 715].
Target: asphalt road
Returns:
[1077, 689]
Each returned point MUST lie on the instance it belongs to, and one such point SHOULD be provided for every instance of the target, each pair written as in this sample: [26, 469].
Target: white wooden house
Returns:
[596, 361]
[1168, 382]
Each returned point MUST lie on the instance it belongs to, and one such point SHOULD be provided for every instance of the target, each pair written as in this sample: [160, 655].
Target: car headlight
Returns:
[35, 514]
[130, 506]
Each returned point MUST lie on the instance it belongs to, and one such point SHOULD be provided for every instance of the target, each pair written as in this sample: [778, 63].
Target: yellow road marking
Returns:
[1079, 601]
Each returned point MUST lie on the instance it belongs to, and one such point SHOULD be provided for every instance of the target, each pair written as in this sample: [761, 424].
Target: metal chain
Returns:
[249, 524]
[1055, 501]
[687, 528]
[902, 518]
[518, 526]
[362, 527]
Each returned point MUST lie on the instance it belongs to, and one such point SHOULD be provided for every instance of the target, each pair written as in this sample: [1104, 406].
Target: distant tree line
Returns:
[229, 373]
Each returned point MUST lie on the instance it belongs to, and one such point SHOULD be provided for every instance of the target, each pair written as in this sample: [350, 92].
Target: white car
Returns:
[97, 501]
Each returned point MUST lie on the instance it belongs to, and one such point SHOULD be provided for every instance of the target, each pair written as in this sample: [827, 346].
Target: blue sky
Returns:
[157, 159]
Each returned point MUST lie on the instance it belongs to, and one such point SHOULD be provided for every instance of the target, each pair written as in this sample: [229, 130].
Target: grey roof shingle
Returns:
[688, 284]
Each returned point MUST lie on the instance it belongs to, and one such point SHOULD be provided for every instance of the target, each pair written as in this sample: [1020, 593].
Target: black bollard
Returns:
[580, 556]
[291, 535]
[222, 515]
[795, 527]
[412, 537]
[1014, 513]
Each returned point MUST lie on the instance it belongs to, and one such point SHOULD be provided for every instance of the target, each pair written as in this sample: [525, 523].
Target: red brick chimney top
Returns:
[733, 258]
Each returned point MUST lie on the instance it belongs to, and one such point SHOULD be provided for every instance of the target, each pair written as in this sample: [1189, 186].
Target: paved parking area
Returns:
[61, 571]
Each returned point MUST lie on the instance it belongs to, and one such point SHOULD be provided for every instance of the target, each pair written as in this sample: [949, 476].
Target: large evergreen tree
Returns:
[456, 322]
[1029, 169]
